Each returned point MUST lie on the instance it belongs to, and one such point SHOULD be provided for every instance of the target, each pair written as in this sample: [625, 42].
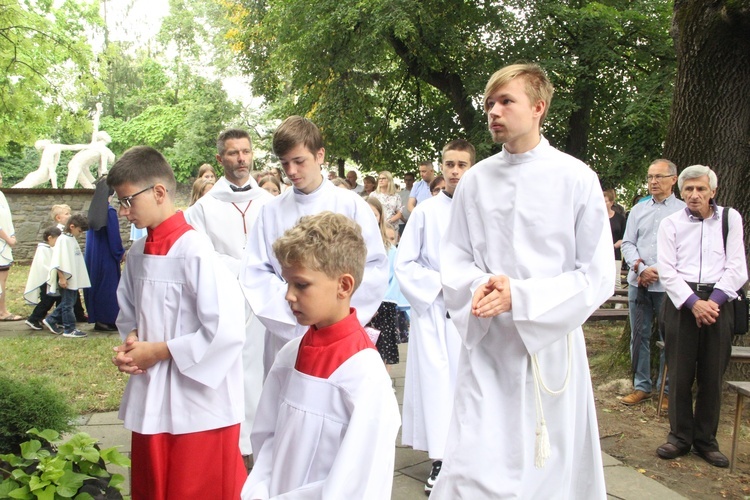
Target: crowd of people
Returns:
[258, 325]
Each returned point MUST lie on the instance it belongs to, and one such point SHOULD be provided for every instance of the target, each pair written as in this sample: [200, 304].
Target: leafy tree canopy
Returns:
[390, 81]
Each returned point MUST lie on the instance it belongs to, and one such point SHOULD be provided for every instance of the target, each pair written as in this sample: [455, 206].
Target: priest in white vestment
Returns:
[527, 257]
[226, 213]
[311, 194]
[434, 343]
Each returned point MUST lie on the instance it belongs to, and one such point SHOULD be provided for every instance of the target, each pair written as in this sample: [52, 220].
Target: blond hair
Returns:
[374, 202]
[391, 188]
[198, 186]
[538, 86]
[58, 210]
[327, 242]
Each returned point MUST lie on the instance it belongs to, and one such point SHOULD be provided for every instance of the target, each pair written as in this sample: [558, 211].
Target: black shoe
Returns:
[34, 325]
[715, 458]
[436, 466]
[668, 451]
[104, 327]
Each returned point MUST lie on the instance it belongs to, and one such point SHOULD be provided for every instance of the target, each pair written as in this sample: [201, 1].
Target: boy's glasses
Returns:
[126, 202]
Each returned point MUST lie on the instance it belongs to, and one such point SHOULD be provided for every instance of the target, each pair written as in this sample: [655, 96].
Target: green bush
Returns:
[25, 404]
[76, 469]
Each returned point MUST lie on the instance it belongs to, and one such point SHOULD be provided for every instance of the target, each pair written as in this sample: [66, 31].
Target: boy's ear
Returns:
[346, 286]
[160, 191]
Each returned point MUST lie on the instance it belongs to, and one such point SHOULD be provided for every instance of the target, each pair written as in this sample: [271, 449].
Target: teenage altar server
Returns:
[226, 213]
[327, 420]
[298, 144]
[526, 258]
[182, 321]
[434, 343]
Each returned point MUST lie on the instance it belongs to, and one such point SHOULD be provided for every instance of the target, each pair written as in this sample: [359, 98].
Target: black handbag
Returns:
[741, 307]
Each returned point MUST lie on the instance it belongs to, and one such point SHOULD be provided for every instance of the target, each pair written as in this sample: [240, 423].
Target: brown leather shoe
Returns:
[665, 403]
[668, 451]
[715, 458]
[635, 398]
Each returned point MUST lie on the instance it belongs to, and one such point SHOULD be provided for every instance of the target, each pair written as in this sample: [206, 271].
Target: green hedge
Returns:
[25, 404]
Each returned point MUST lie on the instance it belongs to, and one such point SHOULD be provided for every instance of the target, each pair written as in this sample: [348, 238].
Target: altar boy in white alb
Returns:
[327, 419]
[181, 320]
[434, 343]
[298, 144]
[526, 258]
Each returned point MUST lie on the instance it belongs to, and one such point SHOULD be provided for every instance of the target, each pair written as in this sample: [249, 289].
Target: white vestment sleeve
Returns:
[420, 285]
[207, 354]
[264, 289]
[545, 309]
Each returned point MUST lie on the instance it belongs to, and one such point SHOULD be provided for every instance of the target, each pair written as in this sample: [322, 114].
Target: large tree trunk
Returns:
[710, 121]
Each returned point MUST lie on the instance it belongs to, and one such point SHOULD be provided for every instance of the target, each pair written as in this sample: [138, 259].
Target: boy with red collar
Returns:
[327, 419]
[181, 319]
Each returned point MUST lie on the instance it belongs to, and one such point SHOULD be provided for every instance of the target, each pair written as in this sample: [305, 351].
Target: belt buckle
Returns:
[703, 287]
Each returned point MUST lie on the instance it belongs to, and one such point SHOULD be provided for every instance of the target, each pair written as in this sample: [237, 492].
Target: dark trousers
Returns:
[701, 355]
[45, 304]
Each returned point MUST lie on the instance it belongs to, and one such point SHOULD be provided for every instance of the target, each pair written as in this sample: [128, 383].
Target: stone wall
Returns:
[31, 214]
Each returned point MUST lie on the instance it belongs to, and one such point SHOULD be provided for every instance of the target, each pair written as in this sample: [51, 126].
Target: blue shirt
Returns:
[420, 191]
[641, 231]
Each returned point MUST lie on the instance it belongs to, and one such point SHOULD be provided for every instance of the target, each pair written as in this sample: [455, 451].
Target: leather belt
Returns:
[702, 287]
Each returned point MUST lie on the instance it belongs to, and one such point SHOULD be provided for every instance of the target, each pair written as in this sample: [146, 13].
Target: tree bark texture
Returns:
[710, 119]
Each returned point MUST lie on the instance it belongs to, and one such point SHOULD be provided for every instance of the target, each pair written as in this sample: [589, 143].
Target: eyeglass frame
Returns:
[126, 202]
[659, 177]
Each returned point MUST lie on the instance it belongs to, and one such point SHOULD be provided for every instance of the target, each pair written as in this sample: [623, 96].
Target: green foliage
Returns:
[74, 468]
[390, 82]
[46, 69]
[29, 403]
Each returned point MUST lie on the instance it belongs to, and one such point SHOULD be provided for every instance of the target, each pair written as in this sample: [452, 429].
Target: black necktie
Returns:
[238, 189]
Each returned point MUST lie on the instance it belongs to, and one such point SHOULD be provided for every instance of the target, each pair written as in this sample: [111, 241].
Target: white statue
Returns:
[79, 167]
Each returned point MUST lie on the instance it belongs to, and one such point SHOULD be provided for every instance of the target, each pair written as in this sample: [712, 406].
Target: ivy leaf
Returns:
[22, 492]
[117, 481]
[48, 435]
[7, 486]
[70, 483]
[36, 483]
[111, 455]
[29, 449]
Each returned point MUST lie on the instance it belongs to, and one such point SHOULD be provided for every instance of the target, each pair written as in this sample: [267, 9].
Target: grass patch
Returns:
[80, 369]
[603, 340]
[15, 286]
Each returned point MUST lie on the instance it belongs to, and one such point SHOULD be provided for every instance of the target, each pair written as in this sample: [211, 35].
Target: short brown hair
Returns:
[538, 86]
[206, 168]
[232, 133]
[141, 165]
[327, 242]
[296, 130]
[462, 145]
[610, 195]
[78, 220]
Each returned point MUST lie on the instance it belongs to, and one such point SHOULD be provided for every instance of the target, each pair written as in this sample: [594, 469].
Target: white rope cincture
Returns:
[542, 447]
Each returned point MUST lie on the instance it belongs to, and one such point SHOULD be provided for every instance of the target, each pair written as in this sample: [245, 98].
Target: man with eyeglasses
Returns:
[226, 213]
[645, 290]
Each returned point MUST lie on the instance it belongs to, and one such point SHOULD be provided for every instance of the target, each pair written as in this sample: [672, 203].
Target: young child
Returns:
[386, 319]
[434, 343]
[60, 215]
[298, 144]
[36, 284]
[182, 321]
[327, 418]
[68, 274]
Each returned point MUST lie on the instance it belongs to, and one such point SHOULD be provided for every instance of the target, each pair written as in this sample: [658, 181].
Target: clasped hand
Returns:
[492, 298]
[706, 312]
[135, 357]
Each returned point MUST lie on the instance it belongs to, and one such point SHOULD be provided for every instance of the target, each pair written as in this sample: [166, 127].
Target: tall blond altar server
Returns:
[527, 257]
[434, 343]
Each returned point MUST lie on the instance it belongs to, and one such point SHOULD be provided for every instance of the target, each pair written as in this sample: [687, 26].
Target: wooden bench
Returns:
[617, 299]
[743, 390]
[608, 314]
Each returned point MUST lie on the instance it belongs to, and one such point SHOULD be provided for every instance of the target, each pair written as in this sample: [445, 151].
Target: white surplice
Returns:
[219, 214]
[38, 273]
[434, 343]
[68, 258]
[325, 439]
[260, 276]
[539, 218]
[190, 300]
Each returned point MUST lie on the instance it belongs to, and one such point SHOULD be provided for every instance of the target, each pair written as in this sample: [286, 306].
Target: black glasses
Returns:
[126, 202]
[658, 177]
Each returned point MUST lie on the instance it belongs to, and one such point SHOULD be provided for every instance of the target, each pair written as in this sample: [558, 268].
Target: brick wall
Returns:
[30, 209]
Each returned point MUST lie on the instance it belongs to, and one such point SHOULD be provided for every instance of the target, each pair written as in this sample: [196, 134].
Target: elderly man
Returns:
[701, 271]
[645, 291]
